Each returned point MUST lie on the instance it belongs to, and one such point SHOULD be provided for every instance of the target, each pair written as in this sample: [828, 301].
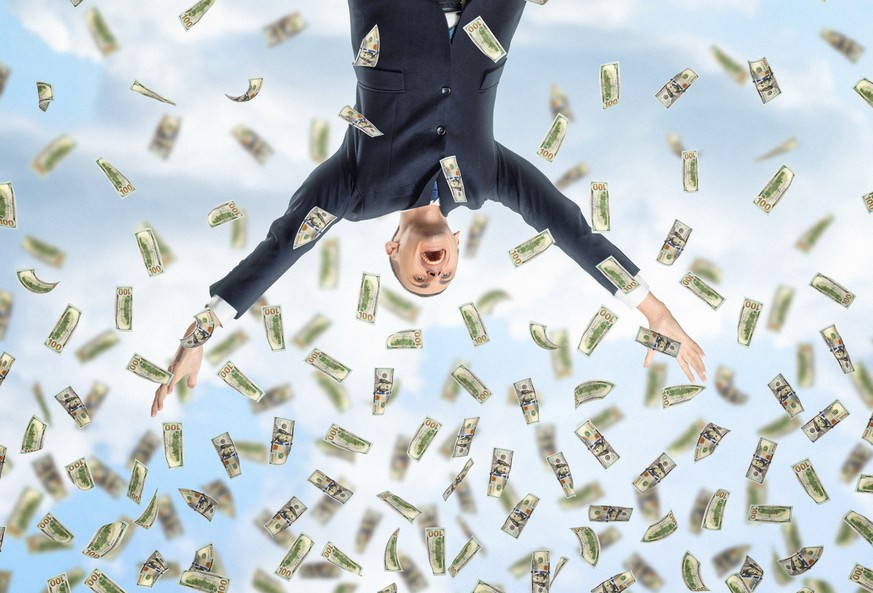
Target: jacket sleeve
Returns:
[524, 189]
[329, 188]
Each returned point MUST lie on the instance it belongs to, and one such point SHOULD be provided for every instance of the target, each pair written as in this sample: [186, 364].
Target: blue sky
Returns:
[564, 41]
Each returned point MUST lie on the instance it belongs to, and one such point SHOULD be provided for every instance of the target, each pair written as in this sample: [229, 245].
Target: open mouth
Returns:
[432, 258]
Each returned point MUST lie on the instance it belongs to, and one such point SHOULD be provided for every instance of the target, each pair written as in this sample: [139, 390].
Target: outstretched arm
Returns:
[524, 189]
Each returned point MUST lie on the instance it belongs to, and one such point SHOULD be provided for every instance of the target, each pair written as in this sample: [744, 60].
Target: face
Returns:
[426, 261]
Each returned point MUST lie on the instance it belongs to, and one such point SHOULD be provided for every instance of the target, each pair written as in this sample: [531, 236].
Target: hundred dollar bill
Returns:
[167, 256]
[5, 71]
[531, 248]
[192, 16]
[675, 243]
[327, 365]
[677, 394]
[597, 444]
[674, 88]
[150, 251]
[706, 269]
[657, 342]
[63, 329]
[124, 308]
[810, 481]
[714, 512]
[72, 403]
[802, 560]
[471, 383]
[733, 69]
[558, 102]
[518, 518]
[559, 465]
[369, 522]
[99, 582]
[600, 219]
[461, 447]
[484, 39]
[749, 315]
[675, 144]
[34, 435]
[173, 444]
[272, 316]
[106, 539]
[540, 338]
[562, 361]
[200, 502]
[223, 213]
[340, 559]
[474, 238]
[45, 94]
[653, 474]
[473, 323]
[464, 556]
[862, 380]
[608, 513]
[865, 88]
[137, 481]
[436, 549]
[54, 529]
[368, 53]
[392, 560]
[319, 135]
[764, 80]
[342, 438]
[227, 454]
[79, 474]
[234, 378]
[49, 157]
[368, 297]
[423, 438]
[551, 144]
[406, 510]
[383, 384]
[103, 37]
[786, 395]
[58, 584]
[23, 511]
[207, 582]
[204, 326]
[690, 180]
[824, 420]
[769, 514]
[782, 148]
[152, 569]
[138, 365]
[835, 344]
[328, 272]
[850, 48]
[8, 213]
[330, 487]
[283, 29]
[143, 90]
[836, 292]
[540, 569]
[256, 146]
[281, 441]
[501, 464]
[165, 135]
[398, 305]
[708, 440]
[698, 510]
[691, 573]
[597, 329]
[865, 483]
[782, 300]
[295, 556]
[616, 583]
[661, 529]
[357, 120]
[702, 290]
[310, 332]
[106, 478]
[219, 491]
[761, 459]
[589, 544]
[860, 525]
[591, 390]
[572, 175]
[774, 190]
[285, 516]
[47, 472]
[336, 393]
[644, 572]
[255, 85]
[528, 399]
[610, 84]
[452, 173]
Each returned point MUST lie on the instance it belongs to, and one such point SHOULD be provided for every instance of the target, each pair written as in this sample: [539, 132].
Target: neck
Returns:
[423, 216]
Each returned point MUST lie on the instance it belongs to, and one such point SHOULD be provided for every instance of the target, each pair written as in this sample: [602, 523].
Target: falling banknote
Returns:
[674, 88]
[484, 39]
[360, 122]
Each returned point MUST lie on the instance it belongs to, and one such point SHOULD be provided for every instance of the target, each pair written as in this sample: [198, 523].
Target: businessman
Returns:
[430, 91]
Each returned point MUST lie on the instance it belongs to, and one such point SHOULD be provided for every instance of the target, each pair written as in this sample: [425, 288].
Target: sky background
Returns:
[309, 76]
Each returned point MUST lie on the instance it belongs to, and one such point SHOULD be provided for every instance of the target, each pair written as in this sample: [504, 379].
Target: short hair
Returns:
[394, 269]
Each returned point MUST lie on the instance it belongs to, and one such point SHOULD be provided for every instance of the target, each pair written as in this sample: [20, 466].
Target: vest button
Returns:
[446, 90]
[441, 130]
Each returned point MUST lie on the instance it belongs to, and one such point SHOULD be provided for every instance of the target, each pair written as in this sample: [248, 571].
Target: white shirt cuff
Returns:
[221, 309]
[633, 298]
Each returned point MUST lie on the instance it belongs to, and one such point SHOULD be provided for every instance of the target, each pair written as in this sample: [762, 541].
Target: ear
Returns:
[391, 247]
[457, 236]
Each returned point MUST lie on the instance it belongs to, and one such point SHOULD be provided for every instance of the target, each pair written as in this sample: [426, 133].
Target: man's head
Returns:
[423, 252]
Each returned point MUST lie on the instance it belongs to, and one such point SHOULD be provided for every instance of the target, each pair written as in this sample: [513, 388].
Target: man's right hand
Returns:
[186, 363]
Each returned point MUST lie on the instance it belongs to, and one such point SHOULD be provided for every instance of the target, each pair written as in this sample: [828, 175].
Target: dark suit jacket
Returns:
[431, 97]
